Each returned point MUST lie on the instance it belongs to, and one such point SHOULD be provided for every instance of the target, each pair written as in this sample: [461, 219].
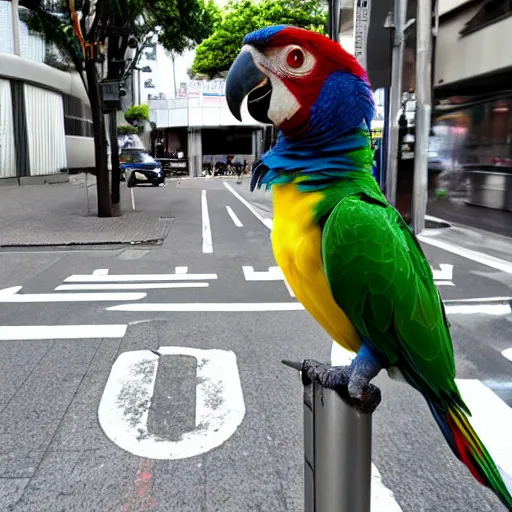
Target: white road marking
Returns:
[207, 232]
[199, 307]
[180, 270]
[445, 272]
[100, 272]
[444, 283]
[11, 295]
[491, 418]
[131, 286]
[60, 332]
[484, 309]
[234, 218]
[382, 498]
[273, 274]
[267, 222]
[478, 257]
[124, 407]
[112, 278]
[482, 299]
[507, 353]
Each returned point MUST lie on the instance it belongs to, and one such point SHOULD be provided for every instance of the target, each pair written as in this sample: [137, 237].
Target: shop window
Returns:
[491, 12]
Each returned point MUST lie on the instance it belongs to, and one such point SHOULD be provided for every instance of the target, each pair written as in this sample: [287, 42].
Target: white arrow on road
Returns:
[12, 295]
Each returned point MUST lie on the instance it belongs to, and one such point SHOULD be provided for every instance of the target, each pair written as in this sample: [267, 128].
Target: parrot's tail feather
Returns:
[468, 447]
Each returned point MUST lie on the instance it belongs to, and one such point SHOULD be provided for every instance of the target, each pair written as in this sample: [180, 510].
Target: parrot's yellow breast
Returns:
[297, 246]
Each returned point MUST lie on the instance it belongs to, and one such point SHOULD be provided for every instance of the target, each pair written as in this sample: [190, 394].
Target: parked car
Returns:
[145, 169]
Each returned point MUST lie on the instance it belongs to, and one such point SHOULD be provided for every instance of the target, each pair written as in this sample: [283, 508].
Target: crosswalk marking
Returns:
[130, 286]
[60, 332]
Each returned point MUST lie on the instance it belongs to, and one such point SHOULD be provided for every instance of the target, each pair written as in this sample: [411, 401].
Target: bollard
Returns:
[337, 449]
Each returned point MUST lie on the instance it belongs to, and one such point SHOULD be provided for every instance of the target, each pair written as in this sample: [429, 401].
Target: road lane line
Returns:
[112, 278]
[207, 232]
[478, 257]
[507, 353]
[130, 286]
[181, 270]
[234, 218]
[199, 307]
[8, 295]
[100, 272]
[267, 222]
[60, 332]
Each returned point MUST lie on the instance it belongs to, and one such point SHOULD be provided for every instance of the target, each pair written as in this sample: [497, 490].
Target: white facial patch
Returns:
[283, 104]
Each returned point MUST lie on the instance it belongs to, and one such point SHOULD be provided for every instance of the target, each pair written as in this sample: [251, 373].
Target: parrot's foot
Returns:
[351, 382]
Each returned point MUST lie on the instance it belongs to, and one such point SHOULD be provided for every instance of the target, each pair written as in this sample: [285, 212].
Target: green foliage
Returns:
[217, 53]
[128, 129]
[185, 23]
[137, 113]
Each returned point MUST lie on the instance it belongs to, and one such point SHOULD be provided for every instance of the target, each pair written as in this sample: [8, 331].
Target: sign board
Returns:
[361, 20]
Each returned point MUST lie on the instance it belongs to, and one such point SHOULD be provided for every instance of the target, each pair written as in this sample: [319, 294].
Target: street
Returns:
[148, 377]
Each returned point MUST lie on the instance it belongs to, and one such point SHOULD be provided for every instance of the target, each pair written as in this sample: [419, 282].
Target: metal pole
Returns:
[139, 88]
[395, 98]
[423, 113]
[337, 450]
[16, 27]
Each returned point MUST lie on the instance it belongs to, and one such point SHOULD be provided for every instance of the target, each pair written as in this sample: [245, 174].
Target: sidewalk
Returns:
[455, 210]
[65, 214]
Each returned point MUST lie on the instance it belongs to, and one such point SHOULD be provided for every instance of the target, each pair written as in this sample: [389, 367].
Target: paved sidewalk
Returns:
[65, 214]
[455, 210]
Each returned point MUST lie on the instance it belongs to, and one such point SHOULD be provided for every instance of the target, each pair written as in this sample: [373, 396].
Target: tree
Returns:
[95, 35]
[217, 53]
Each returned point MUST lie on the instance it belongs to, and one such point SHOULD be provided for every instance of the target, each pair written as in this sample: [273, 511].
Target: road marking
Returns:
[234, 218]
[124, 407]
[100, 272]
[491, 416]
[11, 295]
[507, 353]
[273, 274]
[445, 272]
[207, 232]
[478, 257]
[180, 270]
[200, 307]
[60, 332]
[267, 222]
[480, 300]
[444, 283]
[131, 286]
[484, 309]
[491, 419]
[112, 278]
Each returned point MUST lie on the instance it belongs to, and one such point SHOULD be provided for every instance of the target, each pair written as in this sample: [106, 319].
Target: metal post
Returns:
[395, 99]
[16, 27]
[139, 88]
[423, 113]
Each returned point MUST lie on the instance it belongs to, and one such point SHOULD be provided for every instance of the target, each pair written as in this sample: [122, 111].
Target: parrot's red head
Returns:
[299, 80]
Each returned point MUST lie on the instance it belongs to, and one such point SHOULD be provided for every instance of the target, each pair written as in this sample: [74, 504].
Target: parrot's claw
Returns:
[354, 389]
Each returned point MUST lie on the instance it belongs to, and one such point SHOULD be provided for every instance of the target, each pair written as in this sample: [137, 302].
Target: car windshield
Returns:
[136, 157]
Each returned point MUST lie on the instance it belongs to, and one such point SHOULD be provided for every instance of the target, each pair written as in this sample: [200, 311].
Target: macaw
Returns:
[347, 254]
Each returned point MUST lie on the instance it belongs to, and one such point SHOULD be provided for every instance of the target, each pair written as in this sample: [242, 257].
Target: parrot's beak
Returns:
[246, 79]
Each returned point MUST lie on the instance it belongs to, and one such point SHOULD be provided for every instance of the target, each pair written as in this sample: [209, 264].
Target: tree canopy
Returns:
[217, 53]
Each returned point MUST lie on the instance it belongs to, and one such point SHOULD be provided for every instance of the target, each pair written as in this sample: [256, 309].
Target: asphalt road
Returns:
[93, 420]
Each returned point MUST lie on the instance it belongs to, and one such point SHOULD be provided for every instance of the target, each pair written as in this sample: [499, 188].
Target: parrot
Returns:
[345, 251]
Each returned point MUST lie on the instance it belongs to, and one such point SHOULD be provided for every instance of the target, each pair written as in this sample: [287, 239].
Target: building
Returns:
[472, 82]
[45, 117]
[200, 125]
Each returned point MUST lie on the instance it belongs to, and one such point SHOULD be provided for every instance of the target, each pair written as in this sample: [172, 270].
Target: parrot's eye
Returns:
[295, 58]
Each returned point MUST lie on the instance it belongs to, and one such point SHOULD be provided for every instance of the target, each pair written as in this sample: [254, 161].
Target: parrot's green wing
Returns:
[381, 279]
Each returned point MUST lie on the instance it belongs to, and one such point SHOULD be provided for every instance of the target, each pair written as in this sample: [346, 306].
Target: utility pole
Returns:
[16, 27]
[423, 112]
[395, 98]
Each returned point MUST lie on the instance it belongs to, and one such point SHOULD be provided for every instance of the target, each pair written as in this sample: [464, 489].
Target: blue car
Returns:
[145, 169]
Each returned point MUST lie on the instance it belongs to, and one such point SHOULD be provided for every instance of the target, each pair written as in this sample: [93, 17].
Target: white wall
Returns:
[7, 149]
[45, 127]
[484, 51]
[448, 5]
